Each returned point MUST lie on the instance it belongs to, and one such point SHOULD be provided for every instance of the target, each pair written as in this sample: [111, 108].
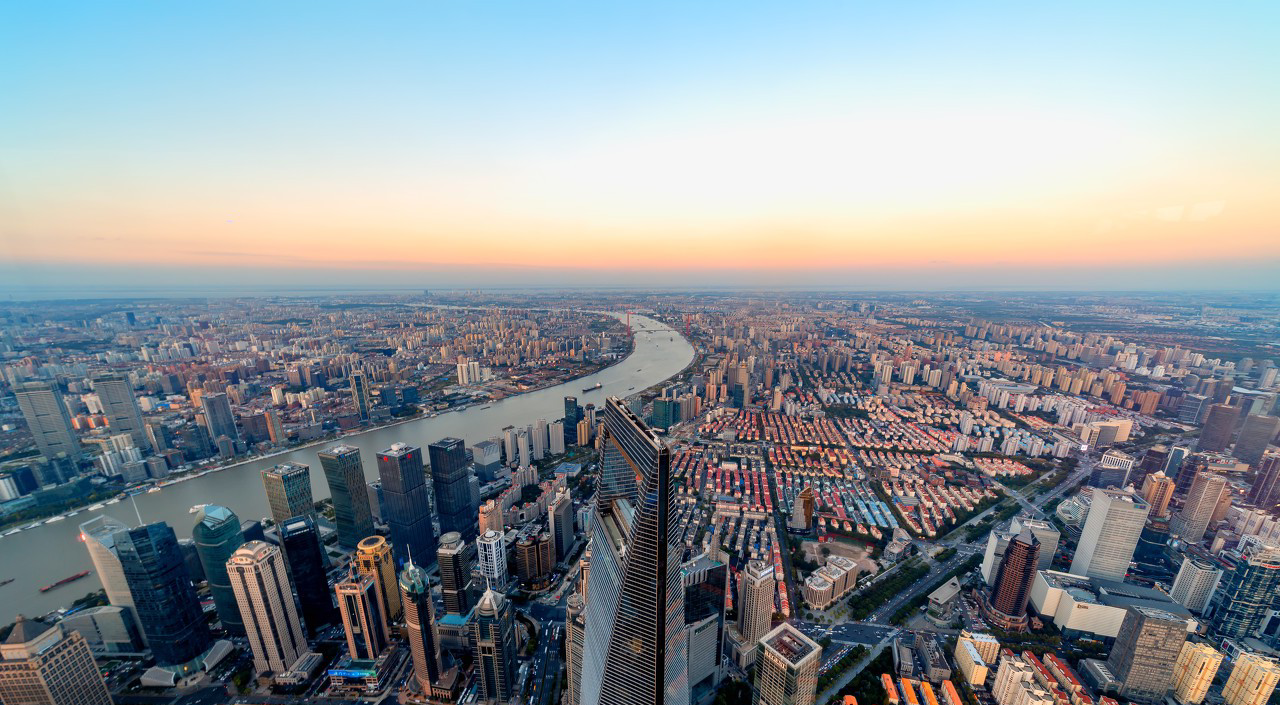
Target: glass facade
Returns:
[404, 503]
[163, 596]
[1248, 590]
[301, 542]
[217, 535]
[352, 514]
[452, 482]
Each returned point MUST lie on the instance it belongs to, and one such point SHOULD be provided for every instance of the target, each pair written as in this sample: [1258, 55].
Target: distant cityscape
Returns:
[874, 498]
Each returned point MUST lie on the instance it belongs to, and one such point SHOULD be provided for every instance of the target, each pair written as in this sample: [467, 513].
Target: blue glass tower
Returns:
[163, 596]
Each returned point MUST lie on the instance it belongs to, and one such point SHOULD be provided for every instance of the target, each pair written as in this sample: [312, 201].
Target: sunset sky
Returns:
[441, 143]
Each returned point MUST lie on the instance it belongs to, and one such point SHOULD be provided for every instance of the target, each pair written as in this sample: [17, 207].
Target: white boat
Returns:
[96, 507]
[113, 500]
[196, 508]
[10, 532]
[60, 517]
[32, 525]
[153, 489]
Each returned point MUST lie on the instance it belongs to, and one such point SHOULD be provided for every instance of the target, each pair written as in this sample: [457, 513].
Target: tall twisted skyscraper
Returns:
[634, 645]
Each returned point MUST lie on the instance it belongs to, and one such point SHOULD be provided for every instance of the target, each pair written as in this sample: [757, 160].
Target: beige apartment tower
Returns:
[39, 665]
[1252, 680]
[1193, 674]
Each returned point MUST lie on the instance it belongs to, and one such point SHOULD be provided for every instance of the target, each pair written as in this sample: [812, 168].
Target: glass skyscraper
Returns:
[344, 473]
[217, 535]
[163, 596]
[452, 482]
[404, 503]
[1248, 590]
[419, 622]
[300, 540]
[288, 488]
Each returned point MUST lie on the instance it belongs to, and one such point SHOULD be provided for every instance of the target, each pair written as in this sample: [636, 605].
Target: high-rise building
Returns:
[40, 665]
[352, 512]
[271, 622]
[300, 539]
[560, 519]
[491, 517]
[756, 588]
[98, 535]
[451, 478]
[362, 618]
[217, 535]
[1193, 673]
[1008, 599]
[1146, 651]
[163, 597]
[706, 584]
[803, 511]
[1265, 492]
[420, 625]
[455, 559]
[1110, 535]
[787, 668]
[1202, 501]
[218, 417]
[1157, 490]
[493, 642]
[1252, 681]
[1248, 589]
[574, 627]
[49, 421]
[404, 502]
[1258, 433]
[1219, 426]
[533, 559]
[373, 558]
[1196, 581]
[491, 554]
[360, 393]
[634, 648]
[120, 407]
[288, 488]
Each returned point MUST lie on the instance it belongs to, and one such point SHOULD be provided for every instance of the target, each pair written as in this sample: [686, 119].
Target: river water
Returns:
[50, 552]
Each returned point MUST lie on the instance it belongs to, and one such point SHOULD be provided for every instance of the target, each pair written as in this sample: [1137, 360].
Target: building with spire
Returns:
[493, 642]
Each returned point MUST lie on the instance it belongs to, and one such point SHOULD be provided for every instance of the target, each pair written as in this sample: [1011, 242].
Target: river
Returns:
[50, 552]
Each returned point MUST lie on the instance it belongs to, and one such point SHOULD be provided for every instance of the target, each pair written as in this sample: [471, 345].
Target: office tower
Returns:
[574, 626]
[217, 535]
[1192, 408]
[1252, 680]
[1196, 581]
[706, 583]
[352, 512]
[560, 520]
[787, 668]
[1219, 426]
[572, 412]
[1157, 490]
[360, 393]
[218, 418]
[1177, 456]
[1044, 531]
[1193, 673]
[1146, 651]
[1012, 587]
[288, 488]
[40, 665]
[108, 629]
[1258, 432]
[487, 456]
[1248, 589]
[373, 558]
[420, 625]
[491, 553]
[451, 479]
[493, 642]
[803, 511]
[756, 588]
[404, 502]
[98, 535]
[362, 618]
[163, 596]
[1202, 501]
[49, 421]
[491, 517]
[1153, 461]
[300, 539]
[455, 559]
[634, 651]
[121, 407]
[261, 587]
[1110, 534]
[1265, 492]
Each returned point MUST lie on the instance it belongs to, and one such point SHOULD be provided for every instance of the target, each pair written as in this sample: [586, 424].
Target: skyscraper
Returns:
[217, 535]
[634, 638]
[404, 502]
[494, 645]
[1265, 492]
[491, 553]
[218, 417]
[373, 558]
[49, 421]
[1258, 432]
[1012, 587]
[1110, 535]
[420, 623]
[1219, 426]
[787, 668]
[261, 586]
[706, 584]
[40, 665]
[352, 512]
[288, 488]
[1252, 681]
[573, 643]
[1202, 501]
[120, 407]
[455, 559]
[1196, 581]
[802, 512]
[360, 393]
[452, 482]
[1193, 673]
[300, 540]
[560, 520]
[756, 588]
[1248, 589]
[1146, 651]
[362, 617]
[163, 596]
[1157, 490]
[98, 535]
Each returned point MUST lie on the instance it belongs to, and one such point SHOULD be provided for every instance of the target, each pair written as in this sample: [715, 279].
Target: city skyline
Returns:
[838, 146]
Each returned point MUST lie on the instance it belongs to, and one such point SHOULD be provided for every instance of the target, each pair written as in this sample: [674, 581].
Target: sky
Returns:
[462, 143]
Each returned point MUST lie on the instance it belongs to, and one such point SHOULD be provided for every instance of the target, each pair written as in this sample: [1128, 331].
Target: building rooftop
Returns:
[790, 643]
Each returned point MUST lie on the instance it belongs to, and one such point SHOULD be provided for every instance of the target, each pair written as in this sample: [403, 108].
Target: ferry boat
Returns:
[196, 508]
[153, 489]
[588, 389]
[64, 581]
